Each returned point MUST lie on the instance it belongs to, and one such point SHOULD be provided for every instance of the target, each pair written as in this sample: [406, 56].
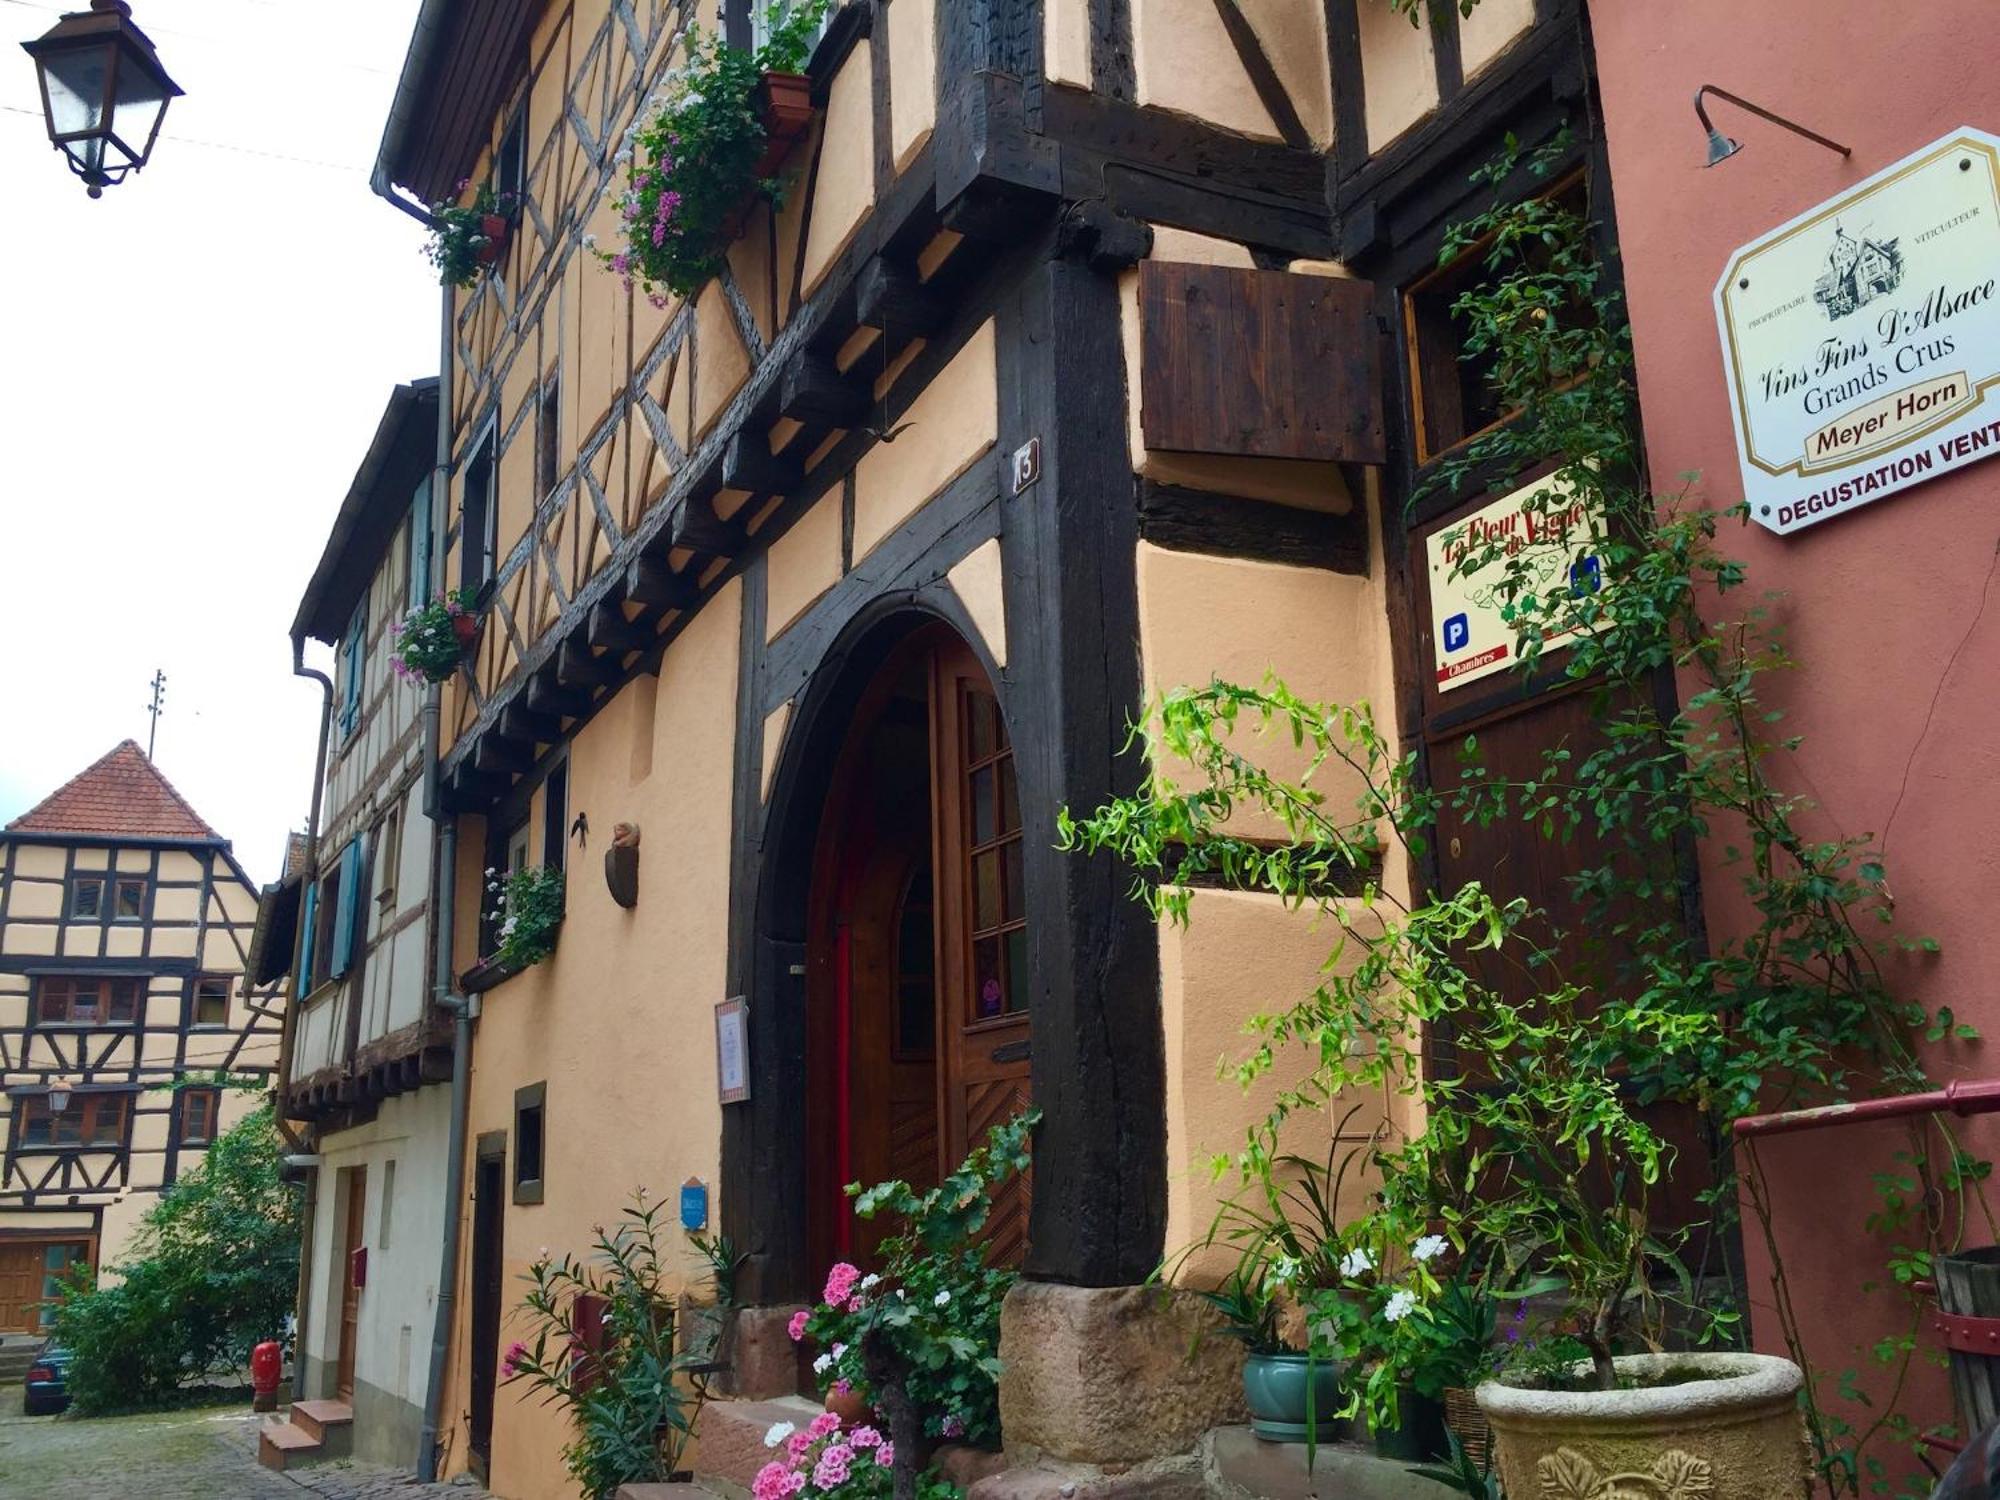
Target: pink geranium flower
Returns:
[840, 1283]
[865, 1437]
[797, 1327]
[823, 1425]
[771, 1482]
[830, 1473]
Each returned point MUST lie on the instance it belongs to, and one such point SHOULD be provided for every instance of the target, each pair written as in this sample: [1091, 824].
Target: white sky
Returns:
[191, 368]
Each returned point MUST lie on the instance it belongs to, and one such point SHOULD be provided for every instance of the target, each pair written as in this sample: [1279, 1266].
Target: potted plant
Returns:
[1294, 1395]
[466, 237]
[704, 147]
[434, 637]
[601, 1346]
[527, 913]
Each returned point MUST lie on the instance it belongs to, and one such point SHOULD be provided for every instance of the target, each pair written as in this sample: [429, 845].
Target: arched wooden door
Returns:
[917, 960]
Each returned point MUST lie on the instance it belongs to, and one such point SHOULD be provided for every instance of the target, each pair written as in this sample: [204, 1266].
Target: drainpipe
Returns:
[443, 912]
[302, 1302]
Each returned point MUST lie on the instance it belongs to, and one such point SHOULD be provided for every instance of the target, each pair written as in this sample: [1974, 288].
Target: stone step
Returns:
[667, 1492]
[14, 1362]
[729, 1442]
[1238, 1464]
[280, 1445]
[317, 1418]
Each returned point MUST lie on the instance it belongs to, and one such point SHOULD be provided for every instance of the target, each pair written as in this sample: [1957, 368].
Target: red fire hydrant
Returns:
[266, 1365]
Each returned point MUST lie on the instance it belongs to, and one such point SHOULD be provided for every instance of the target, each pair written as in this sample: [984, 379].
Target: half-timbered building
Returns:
[129, 1038]
[1095, 348]
[367, 1051]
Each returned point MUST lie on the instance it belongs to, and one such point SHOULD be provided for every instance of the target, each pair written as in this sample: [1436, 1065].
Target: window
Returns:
[198, 1111]
[760, 17]
[388, 1203]
[87, 999]
[86, 1120]
[353, 660]
[478, 527]
[86, 897]
[388, 856]
[1451, 389]
[999, 916]
[548, 442]
[510, 162]
[211, 1000]
[131, 903]
[331, 908]
[530, 1105]
[555, 817]
[420, 545]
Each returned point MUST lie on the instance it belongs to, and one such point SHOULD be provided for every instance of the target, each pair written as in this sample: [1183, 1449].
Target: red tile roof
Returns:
[121, 796]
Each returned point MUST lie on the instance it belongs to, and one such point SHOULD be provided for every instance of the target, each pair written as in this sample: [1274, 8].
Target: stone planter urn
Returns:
[1713, 1427]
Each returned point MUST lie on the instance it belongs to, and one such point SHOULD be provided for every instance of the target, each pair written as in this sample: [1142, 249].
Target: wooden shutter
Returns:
[309, 914]
[346, 916]
[1259, 364]
[420, 545]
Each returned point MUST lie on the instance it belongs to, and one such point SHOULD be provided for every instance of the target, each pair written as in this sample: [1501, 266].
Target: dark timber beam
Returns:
[696, 527]
[649, 581]
[749, 464]
[892, 299]
[547, 694]
[519, 722]
[610, 629]
[502, 757]
[816, 393]
[576, 667]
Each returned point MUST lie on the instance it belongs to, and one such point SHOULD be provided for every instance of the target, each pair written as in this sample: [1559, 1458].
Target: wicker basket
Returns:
[1463, 1416]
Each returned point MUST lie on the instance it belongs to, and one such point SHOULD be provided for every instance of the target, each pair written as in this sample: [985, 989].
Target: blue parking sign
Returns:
[1586, 575]
[1457, 632]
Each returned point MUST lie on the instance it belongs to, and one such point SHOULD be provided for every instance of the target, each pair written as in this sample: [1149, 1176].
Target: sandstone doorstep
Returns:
[317, 1432]
[729, 1437]
[1237, 1464]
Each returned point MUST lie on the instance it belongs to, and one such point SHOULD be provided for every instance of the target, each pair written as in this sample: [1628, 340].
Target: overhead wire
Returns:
[191, 140]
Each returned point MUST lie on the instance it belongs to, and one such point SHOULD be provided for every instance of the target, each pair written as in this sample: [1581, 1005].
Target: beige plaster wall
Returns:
[953, 422]
[1398, 72]
[802, 564]
[1326, 636]
[1066, 42]
[1184, 61]
[844, 184]
[1493, 26]
[619, 1021]
[1293, 37]
[912, 77]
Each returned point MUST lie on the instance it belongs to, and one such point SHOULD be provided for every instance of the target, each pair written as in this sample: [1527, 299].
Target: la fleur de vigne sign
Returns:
[1863, 338]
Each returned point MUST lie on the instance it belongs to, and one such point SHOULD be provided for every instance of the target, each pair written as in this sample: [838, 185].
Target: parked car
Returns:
[47, 1390]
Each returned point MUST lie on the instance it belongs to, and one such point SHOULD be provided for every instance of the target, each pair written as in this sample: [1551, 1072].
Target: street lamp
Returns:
[104, 92]
[1722, 147]
[58, 1098]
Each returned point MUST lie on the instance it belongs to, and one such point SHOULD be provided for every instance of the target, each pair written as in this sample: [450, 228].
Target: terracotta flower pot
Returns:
[849, 1405]
[495, 228]
[785, 102]
[1710, 1427]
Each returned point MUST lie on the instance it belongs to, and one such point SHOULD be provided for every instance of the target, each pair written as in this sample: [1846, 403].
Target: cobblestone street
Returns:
[201, 1454]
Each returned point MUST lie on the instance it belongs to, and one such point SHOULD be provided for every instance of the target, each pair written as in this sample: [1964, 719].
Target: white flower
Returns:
[545, 1253]
[779, 1431]
[1356, 1262]
[940, 1299]
[1430, 1247]
[590, 242]
[1400, 1305]
[870, 1281]
[822, 1364]
[1283, 1269]
[838, 1350]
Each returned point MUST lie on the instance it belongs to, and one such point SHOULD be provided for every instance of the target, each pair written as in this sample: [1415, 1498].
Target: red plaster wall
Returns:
[1892, 610]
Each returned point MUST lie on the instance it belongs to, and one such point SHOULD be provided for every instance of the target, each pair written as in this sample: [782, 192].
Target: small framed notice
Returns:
[732, 1050]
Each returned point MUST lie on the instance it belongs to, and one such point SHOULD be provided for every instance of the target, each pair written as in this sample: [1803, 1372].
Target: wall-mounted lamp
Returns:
[58, 1098]
[1721, 147]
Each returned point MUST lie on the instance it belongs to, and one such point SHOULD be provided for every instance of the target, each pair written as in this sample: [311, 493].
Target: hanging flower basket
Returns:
[435, 637]
[468, 237]
[701, 153]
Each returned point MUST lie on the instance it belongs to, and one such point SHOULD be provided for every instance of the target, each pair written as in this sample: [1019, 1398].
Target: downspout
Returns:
[443, 912]
[302, 1303]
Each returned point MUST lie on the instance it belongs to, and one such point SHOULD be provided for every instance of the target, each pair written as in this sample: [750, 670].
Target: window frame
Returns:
[555, 816]
[353, 670]
[76, 885]
[119, 883]
[104, 1022]
[388, 842]
[530, 1102]
[759, 15]
[548, 437]
[211, 1099]
[482, 463]
[417, 588]
[195, 982]
[89, 1105]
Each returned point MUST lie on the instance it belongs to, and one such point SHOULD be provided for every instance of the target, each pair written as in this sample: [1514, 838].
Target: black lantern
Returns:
[104, 92]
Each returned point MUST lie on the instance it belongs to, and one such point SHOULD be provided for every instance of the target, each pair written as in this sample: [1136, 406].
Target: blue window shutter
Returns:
[308, 914]
[352, 652]
[346, 916]
[420, 545]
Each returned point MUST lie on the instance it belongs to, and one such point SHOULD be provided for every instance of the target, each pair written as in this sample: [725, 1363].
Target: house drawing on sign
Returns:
[1857, 271]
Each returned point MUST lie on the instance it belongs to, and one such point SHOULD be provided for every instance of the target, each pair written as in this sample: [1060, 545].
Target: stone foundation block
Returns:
[1113, 1375]
[763, 1361]
[729, 1436]
[1161, 1479]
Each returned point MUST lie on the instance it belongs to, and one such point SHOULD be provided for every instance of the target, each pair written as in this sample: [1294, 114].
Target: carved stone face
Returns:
[625, 835]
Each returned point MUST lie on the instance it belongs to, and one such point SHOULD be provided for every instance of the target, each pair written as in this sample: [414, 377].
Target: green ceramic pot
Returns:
[1276, 1386]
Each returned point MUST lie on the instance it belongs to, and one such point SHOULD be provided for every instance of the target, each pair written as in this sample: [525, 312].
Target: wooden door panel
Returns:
[350, 1294]
[489, 1194]
[20, 1286]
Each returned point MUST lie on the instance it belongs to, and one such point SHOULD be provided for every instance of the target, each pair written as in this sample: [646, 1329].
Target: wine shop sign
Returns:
[1863, 338]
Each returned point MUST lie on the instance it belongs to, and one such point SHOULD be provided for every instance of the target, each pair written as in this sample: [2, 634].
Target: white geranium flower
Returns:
[941, 1299]
[870, 1281]
[1430, 1247]
[1400, 1305]
[778, 1432]
[1356, 1262]
[822, 1364]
